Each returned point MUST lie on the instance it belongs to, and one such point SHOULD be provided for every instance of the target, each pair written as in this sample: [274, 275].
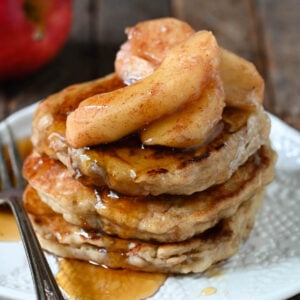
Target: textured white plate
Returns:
[267, 265]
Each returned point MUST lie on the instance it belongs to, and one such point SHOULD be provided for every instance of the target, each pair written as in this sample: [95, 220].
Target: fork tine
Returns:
[15, 159]
[4, 173]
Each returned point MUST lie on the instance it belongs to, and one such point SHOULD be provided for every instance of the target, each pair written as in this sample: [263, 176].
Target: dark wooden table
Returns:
[263, 31]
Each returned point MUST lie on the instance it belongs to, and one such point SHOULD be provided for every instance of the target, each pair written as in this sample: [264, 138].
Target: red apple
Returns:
[31, 33]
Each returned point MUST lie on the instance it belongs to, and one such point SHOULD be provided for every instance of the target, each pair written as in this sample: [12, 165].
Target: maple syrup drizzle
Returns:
[85, 281]
[82, 280]
[24, 146]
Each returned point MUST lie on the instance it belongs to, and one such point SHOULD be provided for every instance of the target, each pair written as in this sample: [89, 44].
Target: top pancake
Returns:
[131, 168]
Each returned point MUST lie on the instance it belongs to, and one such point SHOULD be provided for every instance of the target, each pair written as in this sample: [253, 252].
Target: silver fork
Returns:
[11, 193]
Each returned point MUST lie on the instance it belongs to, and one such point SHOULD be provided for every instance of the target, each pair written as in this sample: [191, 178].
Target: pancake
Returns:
[49, 121]
[163, 218]
[153, 208]
[131, 168]
[194, 255]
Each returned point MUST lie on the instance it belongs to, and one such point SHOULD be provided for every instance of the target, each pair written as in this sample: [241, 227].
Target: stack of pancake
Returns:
[124, 204]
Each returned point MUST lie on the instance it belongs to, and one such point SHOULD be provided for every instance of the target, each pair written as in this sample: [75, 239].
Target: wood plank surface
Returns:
[263, 31]
[279, 23]
[229, 21]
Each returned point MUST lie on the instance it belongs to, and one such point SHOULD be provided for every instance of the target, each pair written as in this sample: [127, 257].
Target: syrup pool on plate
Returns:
[84, 281]
[8, 227]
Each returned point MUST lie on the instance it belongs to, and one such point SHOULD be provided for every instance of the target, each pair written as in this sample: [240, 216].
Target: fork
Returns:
[45, 284]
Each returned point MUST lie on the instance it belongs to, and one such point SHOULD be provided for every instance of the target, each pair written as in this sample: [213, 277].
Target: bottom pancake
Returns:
[194, 255]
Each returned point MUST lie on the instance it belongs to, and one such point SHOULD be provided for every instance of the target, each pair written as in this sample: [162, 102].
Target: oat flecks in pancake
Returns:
[164, 218]
[193, 255]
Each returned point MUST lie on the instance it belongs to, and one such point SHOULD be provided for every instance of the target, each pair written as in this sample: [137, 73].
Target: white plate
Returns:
[267, 265]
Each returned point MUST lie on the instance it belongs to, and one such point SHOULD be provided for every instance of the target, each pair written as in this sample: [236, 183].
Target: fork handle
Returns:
[45, 283]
